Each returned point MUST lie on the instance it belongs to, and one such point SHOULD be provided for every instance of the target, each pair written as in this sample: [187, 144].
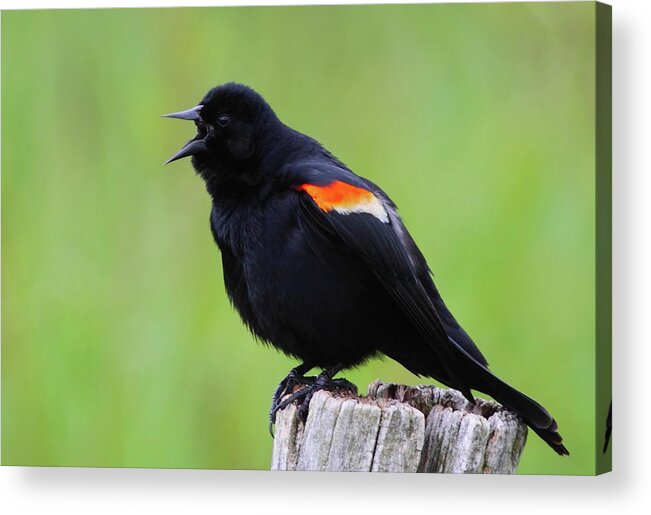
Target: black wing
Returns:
[377, 243]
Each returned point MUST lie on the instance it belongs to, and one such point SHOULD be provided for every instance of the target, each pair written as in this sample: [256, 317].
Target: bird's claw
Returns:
[306, 393]
[285, 387]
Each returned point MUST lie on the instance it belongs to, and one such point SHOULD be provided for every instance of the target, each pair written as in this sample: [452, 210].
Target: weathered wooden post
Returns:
[398, 428]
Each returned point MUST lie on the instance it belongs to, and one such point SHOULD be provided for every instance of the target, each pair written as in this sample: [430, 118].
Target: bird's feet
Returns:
[311, 385]
[310, 390]
[286, 386]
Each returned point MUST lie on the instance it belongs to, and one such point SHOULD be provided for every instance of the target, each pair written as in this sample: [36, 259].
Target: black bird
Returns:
[318, 262]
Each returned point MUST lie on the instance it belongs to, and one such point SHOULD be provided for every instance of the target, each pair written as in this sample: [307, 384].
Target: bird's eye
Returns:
[223, 120]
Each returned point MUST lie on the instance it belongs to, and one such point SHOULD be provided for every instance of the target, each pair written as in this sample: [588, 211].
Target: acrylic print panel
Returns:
[480, 121]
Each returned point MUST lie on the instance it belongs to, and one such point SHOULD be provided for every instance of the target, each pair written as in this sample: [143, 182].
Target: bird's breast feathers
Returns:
[345, 199]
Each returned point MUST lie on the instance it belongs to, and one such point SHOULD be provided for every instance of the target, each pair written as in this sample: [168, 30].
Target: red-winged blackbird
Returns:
[318, 263]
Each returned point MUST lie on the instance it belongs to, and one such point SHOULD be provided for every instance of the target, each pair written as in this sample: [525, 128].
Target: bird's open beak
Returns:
[194, 146]
[190, 114]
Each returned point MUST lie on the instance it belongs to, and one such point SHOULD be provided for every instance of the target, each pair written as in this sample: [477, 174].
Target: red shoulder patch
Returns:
[336, 194]
[345, 198]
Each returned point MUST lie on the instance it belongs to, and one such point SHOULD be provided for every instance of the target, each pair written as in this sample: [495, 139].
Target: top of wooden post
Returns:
[398, 428]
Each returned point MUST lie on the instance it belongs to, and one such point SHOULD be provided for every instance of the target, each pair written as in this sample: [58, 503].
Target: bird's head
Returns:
[231, 120]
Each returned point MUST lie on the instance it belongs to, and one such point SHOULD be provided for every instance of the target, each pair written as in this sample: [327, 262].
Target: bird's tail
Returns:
[535, 416]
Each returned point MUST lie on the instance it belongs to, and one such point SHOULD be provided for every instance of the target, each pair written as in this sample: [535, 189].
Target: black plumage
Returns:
[318, 263]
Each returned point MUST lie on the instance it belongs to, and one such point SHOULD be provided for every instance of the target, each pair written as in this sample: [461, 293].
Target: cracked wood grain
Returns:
[398, 428]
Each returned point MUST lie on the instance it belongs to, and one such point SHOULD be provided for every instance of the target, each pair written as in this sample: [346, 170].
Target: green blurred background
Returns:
[120, 347]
